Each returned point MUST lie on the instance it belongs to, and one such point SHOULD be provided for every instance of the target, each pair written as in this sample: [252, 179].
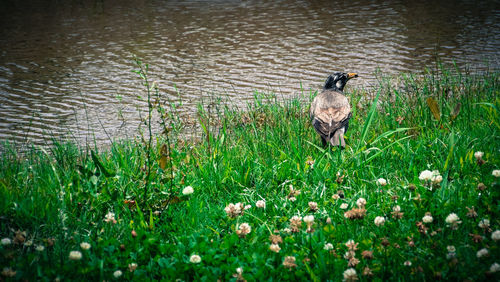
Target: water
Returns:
[65, 66]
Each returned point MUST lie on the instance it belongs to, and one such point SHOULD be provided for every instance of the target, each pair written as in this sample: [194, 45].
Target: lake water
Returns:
[65, 66]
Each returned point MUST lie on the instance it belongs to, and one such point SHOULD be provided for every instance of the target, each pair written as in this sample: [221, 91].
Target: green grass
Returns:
[59, 196]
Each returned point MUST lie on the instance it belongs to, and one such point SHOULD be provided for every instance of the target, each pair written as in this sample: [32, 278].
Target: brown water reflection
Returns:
[64, 64]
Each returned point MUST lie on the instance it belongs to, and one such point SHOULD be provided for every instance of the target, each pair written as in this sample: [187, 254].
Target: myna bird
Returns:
[330, 110]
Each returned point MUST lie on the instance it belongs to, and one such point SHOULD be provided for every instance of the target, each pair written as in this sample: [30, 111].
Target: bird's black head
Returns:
[337, 80]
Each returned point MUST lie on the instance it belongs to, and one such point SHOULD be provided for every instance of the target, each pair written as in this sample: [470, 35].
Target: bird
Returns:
[330, 110]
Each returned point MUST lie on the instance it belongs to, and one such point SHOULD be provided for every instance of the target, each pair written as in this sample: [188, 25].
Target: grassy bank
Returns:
[84, 214]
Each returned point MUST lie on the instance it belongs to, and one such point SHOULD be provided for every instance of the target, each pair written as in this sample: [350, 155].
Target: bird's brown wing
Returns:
[329, 111]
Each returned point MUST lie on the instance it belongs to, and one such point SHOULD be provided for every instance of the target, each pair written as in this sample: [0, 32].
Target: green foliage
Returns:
[62, 196]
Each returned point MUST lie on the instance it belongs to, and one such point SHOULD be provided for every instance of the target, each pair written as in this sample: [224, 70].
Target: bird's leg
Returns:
[341, 137]
[323, 141]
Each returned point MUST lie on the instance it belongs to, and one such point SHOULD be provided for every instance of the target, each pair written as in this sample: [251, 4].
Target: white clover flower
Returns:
[427, 219]
[495, 267]
[495, 236]
[361, 202]
[348, 255]
[328, 246]
[343, 206]
[407, 263]
[381, 182]
[484, 223]
[451, 249]
[234, 210]
[425, 175]
[396, 208]
[496, 173]
[188, 190]
[350, 275]
[379, 220]
[482, 253]
[239, 270]
[75, 255]
[292, 199]
[132, 266]
[28, 243]
[39, 248]
[85, 246]
[452, 219]
[308, 219]
[275, 248]
[295, 223]
[110, 217]
[436, 177]
[289, 262]
[244, 229]
[261, 204]
[313, 206]
[350, 242]
[117, 274]
[6, 241]
[195, 259]
[478, 155]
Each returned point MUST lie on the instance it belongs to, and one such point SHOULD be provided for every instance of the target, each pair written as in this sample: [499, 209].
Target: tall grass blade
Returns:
[369, 119]
[451, 144]
[492, 112]
[380, 151]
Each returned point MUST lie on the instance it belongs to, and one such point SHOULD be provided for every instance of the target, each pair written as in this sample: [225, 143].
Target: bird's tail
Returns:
[338, 138]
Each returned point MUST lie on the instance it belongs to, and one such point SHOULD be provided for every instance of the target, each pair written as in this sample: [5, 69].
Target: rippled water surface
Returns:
[65, 66]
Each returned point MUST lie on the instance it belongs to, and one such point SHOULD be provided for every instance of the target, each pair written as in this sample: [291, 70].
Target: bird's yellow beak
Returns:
[352, 75]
